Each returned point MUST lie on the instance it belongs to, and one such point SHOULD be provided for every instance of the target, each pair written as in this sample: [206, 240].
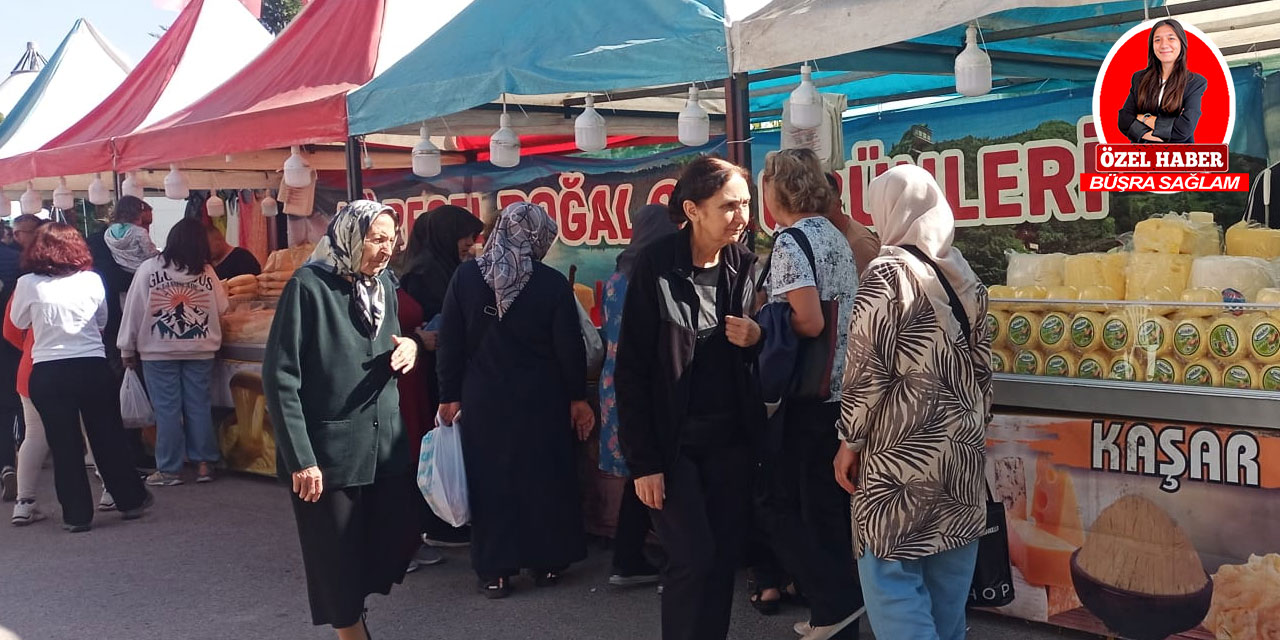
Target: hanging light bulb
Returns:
[270, 208]
[130, 187]
[215, 207]
[176, 186]
[589, 131]
[297, 173]
[98, 192]
[62, 196]
[694, 125]
[366, 160]
[31, 202]
[504, 145]
[426, 155]
[805, 104]
[973, 67]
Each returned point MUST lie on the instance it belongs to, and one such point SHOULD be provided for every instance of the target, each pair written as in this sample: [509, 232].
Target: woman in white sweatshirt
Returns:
[171, 325]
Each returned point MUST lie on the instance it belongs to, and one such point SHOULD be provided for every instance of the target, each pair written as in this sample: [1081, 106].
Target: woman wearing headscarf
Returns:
[329, 375]
[916, 402]
[441, 240]
[512, 363]
[649, 224]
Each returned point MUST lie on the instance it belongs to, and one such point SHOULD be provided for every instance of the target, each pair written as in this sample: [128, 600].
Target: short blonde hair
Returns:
[798, 181]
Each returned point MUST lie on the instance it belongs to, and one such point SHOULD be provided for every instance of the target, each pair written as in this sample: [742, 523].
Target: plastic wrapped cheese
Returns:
[1164, 370]
[1030, 293]
[1095, 270]
[1191, 338]
[1250, 239]
[1092, 366]
[1264, 340]
[1177, 233]
[1242, 375]
[1086, 330]
[1202, 374]
[998, 327]
[1053, 332]
[1033, 269]
[1149, 272]
[1155, 335]
[1205, 295]
[1001, 361]
[1227, 336]
[1270, 296]
[997, 294]
[1023, 330]
[1100, 293]
[1117, 332]
[1271, 378]
[1028, 362]
[1063, 292]
[1122, 367]
[1243, 274]
[1062, 365]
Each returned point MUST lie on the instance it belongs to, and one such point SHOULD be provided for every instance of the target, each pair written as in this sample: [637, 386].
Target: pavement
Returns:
[221, 561]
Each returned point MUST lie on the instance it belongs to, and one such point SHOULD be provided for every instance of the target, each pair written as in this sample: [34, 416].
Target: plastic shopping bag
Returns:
[442, 476]
[135, 407]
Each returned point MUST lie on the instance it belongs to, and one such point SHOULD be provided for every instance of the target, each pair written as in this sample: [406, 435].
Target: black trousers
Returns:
[8, 436]
[634, 524]
[703, 527]
[65, 392]
[806, 515]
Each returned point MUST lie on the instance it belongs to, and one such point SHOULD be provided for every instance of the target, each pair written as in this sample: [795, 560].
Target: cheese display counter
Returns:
[1135, 443]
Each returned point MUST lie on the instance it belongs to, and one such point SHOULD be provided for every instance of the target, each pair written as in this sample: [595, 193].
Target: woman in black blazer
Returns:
[1164, 98]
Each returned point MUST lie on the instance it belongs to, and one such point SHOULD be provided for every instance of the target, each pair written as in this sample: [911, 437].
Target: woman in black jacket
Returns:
[1164, 98]
[689, 400]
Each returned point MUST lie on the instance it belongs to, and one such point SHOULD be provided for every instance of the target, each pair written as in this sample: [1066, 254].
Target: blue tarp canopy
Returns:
[521, 48]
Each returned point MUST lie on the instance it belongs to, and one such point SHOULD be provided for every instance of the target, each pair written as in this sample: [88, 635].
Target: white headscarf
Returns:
[909, 208]
[341, 251]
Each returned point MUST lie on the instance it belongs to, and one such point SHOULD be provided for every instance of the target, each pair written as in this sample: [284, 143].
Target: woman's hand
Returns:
[449, 412]
[741, 332]
[1151, 137]
[308, 484]
[129, 362]
[651, 490]
[430, 339]
[584, 419]
[405, 354]
[846, 467]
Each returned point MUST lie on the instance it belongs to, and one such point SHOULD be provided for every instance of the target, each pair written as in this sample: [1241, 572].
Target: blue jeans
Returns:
[921, 599]
[179, 391]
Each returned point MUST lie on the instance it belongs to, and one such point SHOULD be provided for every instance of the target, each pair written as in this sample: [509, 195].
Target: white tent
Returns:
[19, 80]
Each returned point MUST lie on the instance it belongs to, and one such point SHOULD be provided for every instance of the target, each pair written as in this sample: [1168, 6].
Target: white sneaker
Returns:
[802, 628]
[106, 503]
[825, 633]
[25, 513]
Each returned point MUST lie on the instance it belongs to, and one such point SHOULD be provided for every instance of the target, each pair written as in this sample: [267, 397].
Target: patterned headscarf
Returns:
[341, 250]
[524, 234]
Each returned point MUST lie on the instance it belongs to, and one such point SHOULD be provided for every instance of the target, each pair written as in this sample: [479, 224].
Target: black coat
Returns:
[656, 347]
[1175, 128]
[116, 282]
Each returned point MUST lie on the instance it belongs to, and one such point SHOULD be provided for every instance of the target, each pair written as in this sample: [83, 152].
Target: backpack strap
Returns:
[801, 241]
[957, 309]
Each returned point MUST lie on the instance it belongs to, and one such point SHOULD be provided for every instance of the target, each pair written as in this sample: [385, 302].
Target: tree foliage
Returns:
[277, 14]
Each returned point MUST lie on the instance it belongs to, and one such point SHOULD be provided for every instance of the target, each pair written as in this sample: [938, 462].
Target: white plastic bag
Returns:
[135, 407]
[442, 475]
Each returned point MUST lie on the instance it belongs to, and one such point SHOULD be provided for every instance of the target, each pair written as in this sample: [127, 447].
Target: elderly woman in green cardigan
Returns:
[330, 380]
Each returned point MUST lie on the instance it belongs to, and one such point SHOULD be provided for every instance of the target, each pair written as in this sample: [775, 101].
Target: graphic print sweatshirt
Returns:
[170, 314]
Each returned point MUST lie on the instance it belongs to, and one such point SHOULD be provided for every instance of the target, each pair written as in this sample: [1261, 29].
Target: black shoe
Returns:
[8, 484]
[496, 589]
[140, 510]
[546, 578]
[76, 528]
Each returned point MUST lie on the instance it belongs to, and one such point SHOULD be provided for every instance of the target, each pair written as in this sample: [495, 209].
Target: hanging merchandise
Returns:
[426, 155]
[98, 191]
[176, 186]
[214, 206]
[31, 202]
[504, 145]
[270, 208]
[694, 125]
[130, 187]
[62, 196]
[973, 67]
[589, 130]
[297, 173]
[805, 103]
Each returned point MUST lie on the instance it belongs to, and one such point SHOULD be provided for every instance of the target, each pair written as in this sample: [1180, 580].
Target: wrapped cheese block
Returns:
[1243, 274]
[1164, 370]
[1161, 294]
[1270, 296]
[1086, 330]
[1251, 239]
[1242, 375]
[1204, 295]
[1174, 233]
[1202, 374]
[1191, 339]
[1208, 235]
[997, 295]
[1264, 340]
[1096, 270]
[1117, 332]
[998, 327]
[1092, 366]
[1097, 292]
[1227, 336]
[1054, 332]
[1023, 330]
[1271, 378]
[1031, 269]
[1028, 362]
[1155, 335]
[1148, 272]
[1001, 361]
[1122, 367]
[1030, 293]
[1063, 365]
[1062, 293]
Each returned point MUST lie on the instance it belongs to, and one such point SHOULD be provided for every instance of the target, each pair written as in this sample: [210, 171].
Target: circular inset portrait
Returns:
[1164, 82]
